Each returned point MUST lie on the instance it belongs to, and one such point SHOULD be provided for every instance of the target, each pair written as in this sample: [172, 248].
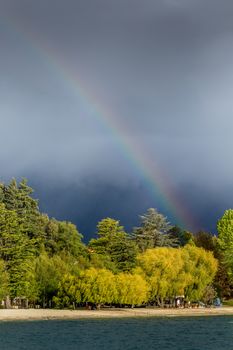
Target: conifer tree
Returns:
[16, 250]
[225, 239]
[154, 231]
[114, 242]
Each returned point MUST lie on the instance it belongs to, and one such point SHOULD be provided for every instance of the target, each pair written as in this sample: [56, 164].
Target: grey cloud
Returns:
[162, 69]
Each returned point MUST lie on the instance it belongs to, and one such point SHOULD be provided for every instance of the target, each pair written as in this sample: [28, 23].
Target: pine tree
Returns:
[154, 231]
[16, 250]
[114, 243]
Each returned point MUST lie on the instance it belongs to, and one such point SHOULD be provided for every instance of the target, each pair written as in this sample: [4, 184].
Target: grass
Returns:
[228, 302]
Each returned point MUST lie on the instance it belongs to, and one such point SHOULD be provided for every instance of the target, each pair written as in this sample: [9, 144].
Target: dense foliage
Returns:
[225, 230]
[44, 263]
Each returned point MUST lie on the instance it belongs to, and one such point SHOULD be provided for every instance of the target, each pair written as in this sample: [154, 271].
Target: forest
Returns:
[45, 263]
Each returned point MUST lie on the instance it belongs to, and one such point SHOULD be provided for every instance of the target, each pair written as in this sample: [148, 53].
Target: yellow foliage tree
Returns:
[163, 268]
[99, 286]
[173, 272]
[200, 268]
[132, 289]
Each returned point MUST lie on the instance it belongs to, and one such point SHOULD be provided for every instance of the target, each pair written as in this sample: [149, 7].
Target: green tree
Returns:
[16, 250]
[49, 272]
[63, 236]
[18, 197]
[4, 292]
[70, 291]
[205, 240]
[9, 194]
[109, 228]
[123, 253]
[223, 282]
[2, 186]
[154, 231]
[117, 251]
[182, 237]
[225, 238]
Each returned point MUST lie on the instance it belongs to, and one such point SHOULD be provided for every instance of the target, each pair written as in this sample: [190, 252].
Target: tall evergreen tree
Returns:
[16, 250]
[19, 198]
[114, 242]
[154, 231]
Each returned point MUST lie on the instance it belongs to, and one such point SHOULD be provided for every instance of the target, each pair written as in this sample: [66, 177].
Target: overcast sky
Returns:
[161, 69]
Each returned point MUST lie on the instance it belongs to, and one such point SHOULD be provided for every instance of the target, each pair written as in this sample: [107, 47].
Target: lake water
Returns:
[192, 333]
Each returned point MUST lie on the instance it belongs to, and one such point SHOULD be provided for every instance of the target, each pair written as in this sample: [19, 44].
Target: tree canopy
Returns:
[225, 238]
[44, 262]
[154, 231]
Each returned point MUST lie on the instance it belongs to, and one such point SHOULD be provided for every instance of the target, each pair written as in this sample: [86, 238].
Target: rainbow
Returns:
[156, 180]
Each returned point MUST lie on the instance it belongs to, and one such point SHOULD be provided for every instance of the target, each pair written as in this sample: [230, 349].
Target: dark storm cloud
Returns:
[164, 68]
[91, 200]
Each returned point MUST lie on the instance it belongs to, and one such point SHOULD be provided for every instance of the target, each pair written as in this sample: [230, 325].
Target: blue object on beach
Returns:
[217, 302]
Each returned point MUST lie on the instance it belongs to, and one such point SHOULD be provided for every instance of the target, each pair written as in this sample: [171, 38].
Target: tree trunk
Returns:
[7, 302]
[162, 302]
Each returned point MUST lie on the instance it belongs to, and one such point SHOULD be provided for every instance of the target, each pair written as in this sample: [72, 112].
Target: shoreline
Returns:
[53, 314]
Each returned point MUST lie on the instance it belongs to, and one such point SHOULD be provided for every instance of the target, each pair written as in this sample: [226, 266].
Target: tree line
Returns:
[44, 262]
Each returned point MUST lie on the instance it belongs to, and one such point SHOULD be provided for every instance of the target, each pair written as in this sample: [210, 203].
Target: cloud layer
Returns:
[162, 71]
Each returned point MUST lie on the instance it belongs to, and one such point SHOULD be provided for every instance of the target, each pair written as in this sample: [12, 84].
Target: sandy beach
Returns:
[48, 314]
